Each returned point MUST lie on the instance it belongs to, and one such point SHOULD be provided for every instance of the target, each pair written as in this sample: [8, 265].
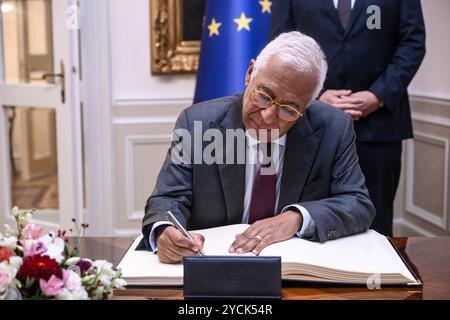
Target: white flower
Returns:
[27, 218]
[22, 217]
[119, 283]
[103, 265]
[65, 295]
[72, 280]
[55, 246]
[75, 269]
[15, 263]
[8, 231]
[6, 277]
[79, 294]
[99, 291]
[73, 289]
[105, 280]
[10, 242]
[15, 212]
[72, 261]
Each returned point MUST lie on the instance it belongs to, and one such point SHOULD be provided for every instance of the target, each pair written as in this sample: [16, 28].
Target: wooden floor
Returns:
[39, 193]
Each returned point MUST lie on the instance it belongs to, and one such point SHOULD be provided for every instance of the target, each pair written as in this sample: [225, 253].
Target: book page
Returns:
[368, 252]
[218, 240]
[145, 264]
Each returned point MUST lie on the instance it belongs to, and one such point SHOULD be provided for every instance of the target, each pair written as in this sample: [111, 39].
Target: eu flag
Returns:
[234, 32]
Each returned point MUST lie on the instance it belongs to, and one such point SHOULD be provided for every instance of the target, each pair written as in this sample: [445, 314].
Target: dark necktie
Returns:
[344, 9]
[262, 204]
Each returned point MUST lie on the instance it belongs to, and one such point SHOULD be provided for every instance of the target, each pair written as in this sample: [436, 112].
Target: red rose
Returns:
[39, 267]
[6, 253]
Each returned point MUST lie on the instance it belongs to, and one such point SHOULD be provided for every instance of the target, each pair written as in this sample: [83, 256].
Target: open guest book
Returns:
[350, 260]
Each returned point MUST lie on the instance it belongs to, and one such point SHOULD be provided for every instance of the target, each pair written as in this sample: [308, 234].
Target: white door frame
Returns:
[68, 124]
[97, 120]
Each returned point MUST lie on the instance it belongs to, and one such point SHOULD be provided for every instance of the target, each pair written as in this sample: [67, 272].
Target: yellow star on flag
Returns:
[266, 5]
[243, 22]
[214, 27]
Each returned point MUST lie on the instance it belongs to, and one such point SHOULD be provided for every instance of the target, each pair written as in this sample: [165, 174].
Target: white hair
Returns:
[300, 52]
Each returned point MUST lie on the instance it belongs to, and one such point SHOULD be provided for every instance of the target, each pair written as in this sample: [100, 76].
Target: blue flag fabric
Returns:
[234, 32]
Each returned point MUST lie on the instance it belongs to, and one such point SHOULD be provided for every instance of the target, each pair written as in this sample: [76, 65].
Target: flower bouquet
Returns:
[34, 265]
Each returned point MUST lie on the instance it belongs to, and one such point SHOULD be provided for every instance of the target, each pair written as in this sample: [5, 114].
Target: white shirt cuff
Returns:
[308, 225]
[151, 237]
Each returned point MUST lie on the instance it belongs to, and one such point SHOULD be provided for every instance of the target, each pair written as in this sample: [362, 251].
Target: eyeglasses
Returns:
[285, 111]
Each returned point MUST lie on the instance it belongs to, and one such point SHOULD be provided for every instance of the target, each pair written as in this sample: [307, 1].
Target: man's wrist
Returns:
[308, 227]
[160, 229]
[380, 102]
[296, 216]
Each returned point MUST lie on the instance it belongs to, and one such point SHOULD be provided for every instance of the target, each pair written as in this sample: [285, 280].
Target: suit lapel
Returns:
[359, 5]
[232, 176]
[332, 12]
[301, 147]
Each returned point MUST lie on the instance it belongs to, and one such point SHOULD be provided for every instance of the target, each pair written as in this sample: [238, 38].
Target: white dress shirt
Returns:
[336, 3]
[253, 162]
[253, 158]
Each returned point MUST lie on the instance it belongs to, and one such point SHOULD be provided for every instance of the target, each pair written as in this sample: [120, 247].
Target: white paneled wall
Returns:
[422, 203]
[144, 111]
[141, 140]
[433, 78]
[130, 58]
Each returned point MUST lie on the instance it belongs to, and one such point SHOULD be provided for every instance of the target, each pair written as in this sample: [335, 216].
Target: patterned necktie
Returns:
[262, 204]
[344, 9]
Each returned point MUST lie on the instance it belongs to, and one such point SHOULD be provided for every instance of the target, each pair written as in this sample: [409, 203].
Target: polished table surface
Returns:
[428, 257]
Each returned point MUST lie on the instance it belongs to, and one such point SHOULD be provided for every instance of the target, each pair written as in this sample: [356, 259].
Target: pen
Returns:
[169, 216]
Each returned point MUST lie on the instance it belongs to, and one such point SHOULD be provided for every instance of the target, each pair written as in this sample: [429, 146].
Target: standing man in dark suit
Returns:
[293, 171]
[373, 48]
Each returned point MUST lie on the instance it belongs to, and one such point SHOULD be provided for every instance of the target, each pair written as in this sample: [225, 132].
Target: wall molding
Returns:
[123, 121]
[131, 141]
[436, 120]
[413, 209]
[442, 98]
[399, 222]
[139, 112]
[126, 232]
[157, 102]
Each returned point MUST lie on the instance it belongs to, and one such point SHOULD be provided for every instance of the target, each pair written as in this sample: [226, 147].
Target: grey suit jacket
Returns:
[321, 173]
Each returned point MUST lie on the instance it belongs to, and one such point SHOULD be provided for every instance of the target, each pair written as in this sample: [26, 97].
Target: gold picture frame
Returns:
[170, 53]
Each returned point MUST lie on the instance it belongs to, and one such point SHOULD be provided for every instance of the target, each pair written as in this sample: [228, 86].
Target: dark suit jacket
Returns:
[382, 61]
[321, 173]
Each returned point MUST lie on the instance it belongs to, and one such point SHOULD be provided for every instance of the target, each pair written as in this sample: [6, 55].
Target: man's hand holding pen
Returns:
[173, 245]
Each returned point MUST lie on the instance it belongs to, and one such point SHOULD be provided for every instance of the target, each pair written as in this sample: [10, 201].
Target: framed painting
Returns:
[176, 28]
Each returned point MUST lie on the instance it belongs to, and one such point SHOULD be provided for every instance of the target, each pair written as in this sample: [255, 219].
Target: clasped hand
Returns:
[356, 104]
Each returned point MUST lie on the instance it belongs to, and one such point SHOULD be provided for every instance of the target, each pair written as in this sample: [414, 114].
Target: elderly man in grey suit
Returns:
[300, 175]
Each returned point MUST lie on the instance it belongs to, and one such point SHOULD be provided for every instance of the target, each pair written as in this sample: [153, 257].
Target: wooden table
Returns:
[429, 257]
